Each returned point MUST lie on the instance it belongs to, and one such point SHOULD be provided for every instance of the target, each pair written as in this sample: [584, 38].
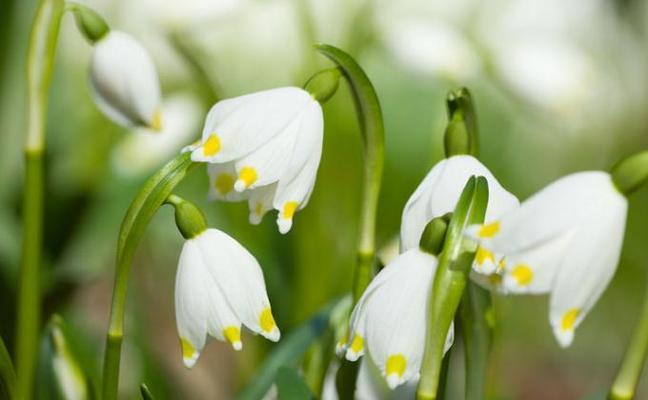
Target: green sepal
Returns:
[323, 85]
[631, 173]
[91, 25]
[190, 221]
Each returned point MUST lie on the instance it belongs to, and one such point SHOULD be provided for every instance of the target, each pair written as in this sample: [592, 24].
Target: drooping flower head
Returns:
[438, 194]
[264, 147]
[390, 320]
[566, 239]
[124, 81]
[219, 287]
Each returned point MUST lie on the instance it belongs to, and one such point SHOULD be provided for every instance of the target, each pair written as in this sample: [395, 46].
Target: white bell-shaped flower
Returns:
[264, 147]
[438, 194]
[125, 82]
[566, 239]
[391, 318]
[219, 287]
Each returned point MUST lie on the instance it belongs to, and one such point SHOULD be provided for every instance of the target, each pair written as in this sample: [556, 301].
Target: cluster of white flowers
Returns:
[565, 240]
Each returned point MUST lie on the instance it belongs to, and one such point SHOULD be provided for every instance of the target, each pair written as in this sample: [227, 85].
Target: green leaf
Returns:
[59, 374]
[7, 374]
[288, 353]
[146, 393]
[291, 385]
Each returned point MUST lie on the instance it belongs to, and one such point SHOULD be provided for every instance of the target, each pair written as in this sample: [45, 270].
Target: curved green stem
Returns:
[633, 362]
[449, 282]
[373, 137]
[152, 195]
[40, 62]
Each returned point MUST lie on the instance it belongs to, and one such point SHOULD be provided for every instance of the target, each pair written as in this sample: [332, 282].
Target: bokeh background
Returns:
[560, 86]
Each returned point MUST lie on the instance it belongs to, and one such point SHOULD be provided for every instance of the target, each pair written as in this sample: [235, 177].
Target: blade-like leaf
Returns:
[291, 385]
[7, 374]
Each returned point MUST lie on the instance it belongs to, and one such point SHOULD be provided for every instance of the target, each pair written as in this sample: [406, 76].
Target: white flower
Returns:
[264, 147]
[391, 318]
[125, 82]
[219, 286]
[146, 149]
[565, 239]
[438, 194]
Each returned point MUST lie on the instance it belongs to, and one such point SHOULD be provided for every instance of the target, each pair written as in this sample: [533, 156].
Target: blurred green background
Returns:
[559, 87]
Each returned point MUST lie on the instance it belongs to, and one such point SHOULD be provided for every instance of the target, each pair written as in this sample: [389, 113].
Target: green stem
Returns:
[40, 62]
[449, 282]
[373, 133]
[476, 323]
[633, 362]
[149, 199]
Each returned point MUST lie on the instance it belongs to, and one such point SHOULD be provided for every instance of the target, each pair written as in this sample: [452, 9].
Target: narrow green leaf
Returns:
[287, 353]
[291, 385]
[146, 393]
[7, 374]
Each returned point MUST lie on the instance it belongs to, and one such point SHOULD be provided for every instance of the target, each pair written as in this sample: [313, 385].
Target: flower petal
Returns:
[191, 302]
[238, 275]
[236, 127]
[260, 202]
[439, 192]
[588, 266]
[124, 81]
[221, 183]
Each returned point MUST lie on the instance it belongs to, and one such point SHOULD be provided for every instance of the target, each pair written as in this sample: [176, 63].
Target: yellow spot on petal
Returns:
[289, 209]
[232, 334]
[266, 320]
[495, 279]
[523, 274]
[569, 319]
[501, 265]
[484, 255]
[188, 351]
[357, 344]
[396, 364]
[212, 145]
[156, 121]
[489, 230]
[248, 175]
[258, 209]
[224, 183]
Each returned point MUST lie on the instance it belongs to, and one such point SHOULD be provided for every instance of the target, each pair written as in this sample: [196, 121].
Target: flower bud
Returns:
[323, 85]
[90, 23]
[124, 81]
[461, 133]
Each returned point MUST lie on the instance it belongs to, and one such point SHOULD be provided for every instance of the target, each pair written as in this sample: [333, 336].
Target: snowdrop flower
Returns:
[566, 240]
[438, 194]
[219, 287]
[180, 118]
[264, 147]
[390, 320]
[125, 82]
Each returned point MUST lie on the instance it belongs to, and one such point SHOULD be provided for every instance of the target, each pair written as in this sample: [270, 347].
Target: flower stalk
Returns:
[372, 129]
[149, 199]
[450, 281]
[40, 62]
[625, 383]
